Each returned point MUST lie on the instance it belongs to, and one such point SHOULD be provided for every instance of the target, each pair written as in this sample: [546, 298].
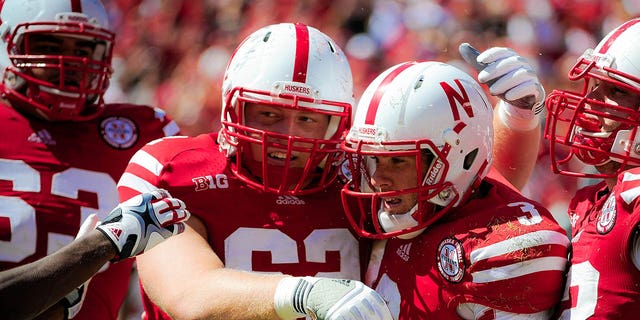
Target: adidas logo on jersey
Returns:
[403, 251]
[289, 200]
[42, 136]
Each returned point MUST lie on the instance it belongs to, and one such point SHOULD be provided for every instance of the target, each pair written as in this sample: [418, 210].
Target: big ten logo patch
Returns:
[220, 181]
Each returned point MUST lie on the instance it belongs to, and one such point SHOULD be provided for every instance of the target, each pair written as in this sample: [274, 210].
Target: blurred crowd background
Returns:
[172, 53]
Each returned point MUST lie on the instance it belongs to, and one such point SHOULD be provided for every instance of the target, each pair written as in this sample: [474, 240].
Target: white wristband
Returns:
[517, 118]
[286, 296]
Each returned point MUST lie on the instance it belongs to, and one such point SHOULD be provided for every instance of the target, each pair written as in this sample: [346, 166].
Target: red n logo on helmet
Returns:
[461, 97]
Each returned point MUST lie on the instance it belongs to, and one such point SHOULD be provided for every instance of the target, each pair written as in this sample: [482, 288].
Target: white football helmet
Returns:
[291, 66]
[575, 118]
[76, 87]
[422, 109]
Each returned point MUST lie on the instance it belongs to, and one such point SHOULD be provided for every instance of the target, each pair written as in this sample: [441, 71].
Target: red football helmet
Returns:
[428, 110]
[294, 67]
[588, 125]
[74, 86]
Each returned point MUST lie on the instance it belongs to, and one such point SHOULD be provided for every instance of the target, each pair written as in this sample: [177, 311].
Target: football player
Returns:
[264, 190]
[596, 130]
[456, 241]
[63, 149]
[132, 228]
[263, 193]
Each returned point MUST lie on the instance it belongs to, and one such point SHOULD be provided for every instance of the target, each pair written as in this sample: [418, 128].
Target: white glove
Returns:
[328, 299]
[511, 78]
[143, 221]
[72, 302]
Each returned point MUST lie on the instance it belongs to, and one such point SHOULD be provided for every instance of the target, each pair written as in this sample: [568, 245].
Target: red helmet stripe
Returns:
[621, 29]
[76, 6]
[380, 91]
[459, 127]
[302, 53]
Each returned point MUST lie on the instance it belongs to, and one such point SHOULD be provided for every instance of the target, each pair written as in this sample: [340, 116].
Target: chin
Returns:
[609, 167]
[396, 211]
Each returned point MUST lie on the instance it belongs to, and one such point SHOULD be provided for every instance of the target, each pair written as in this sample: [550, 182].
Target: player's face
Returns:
[52, 45]
[395, 173]
[288, 122]
[614, 95]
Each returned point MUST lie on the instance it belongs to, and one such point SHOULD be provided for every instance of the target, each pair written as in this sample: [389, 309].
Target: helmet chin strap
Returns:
[623, 139]
[396, 222]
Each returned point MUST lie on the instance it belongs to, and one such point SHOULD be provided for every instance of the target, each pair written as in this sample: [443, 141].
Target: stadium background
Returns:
[172, 53]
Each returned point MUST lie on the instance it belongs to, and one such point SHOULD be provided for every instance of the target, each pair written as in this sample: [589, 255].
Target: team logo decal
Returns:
[219, 181]
[345, 173]
[119, 132]
[607, 218]
[451, 260]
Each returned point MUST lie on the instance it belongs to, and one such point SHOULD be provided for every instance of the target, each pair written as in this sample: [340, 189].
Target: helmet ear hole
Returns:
[470, 158]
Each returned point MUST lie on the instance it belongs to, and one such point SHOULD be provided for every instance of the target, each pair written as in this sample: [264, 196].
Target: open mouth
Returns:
[391, 205]
[276, 157]
[72, 81]
[592, 134]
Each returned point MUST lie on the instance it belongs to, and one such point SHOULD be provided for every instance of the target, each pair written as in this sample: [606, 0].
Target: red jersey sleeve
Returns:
[497, 256]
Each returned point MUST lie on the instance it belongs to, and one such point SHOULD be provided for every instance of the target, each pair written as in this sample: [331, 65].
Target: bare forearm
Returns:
[27, 290]
[225, 294]
[515, 152]
[193, 282]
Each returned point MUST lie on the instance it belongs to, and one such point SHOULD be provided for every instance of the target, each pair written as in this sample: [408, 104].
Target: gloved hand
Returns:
[328, 299]
[508, 75]
[72, 302]
[143, 221]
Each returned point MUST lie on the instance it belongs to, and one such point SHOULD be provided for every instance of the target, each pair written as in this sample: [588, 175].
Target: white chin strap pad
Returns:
[395, 222]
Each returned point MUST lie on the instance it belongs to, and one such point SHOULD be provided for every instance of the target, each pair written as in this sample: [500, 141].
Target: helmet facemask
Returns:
[54, 86]
[433, 115]
[365, 203]
[579, 122]
[293, 69]
[279, 162]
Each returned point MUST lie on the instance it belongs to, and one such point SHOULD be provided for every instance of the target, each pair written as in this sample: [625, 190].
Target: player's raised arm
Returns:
[517, 134]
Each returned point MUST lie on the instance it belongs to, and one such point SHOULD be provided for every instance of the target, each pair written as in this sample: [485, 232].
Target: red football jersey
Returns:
[54, 174]
[249, 230]
[603, 282]
[498, 255]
